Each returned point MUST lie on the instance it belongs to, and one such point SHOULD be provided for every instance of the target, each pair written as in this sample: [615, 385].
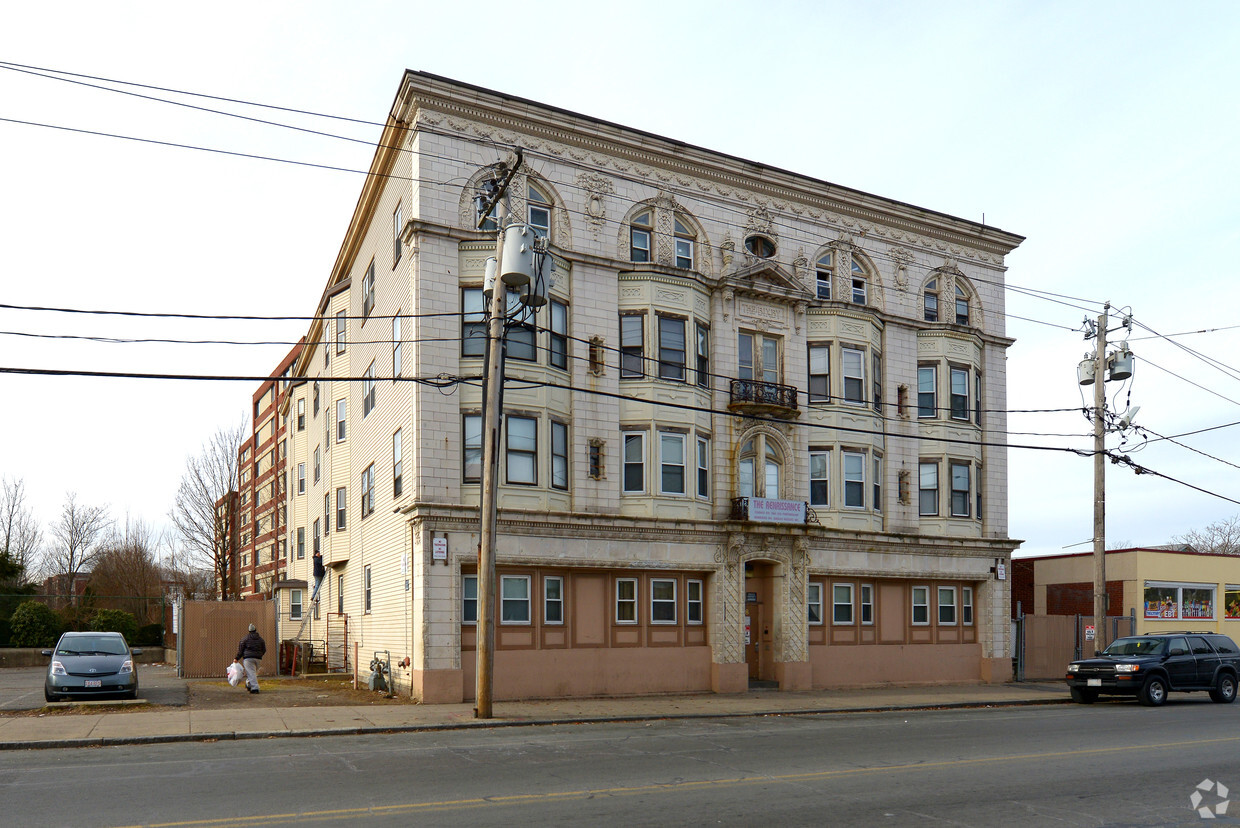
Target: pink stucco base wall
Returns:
[540, 674]
[838, 667]
[438, 686]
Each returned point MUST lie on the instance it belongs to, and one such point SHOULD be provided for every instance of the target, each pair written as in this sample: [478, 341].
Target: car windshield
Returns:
[1136, 646]
[91, 645]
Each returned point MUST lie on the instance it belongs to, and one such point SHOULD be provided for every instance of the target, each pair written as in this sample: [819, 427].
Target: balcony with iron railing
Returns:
[763, 398]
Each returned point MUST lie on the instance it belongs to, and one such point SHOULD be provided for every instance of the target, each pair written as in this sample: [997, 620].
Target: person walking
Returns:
[250, 651]
[319, 573]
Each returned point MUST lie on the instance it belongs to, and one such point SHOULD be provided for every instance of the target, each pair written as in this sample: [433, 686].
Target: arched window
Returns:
[760, 246]
[860, 283]
[684, 244]
[930, 301]
[759, 468]
[641, 232]
[962, 306]
[826, 272]
[538, 213]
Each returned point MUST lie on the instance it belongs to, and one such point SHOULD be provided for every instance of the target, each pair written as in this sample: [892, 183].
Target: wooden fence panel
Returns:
[1050, 643]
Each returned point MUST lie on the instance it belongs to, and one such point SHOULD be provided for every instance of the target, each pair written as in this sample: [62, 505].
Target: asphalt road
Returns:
[21, 688]
[1113, 763]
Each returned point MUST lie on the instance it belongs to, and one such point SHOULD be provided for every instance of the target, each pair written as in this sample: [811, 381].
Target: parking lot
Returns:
[21, 688]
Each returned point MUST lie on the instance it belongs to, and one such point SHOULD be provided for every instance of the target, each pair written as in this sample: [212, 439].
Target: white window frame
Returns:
[630, 602]
[939, 593]
[301, 413]
[854, 375]
[966, 606]
[633, 459]
[813, 601]
[959, 402]
[559, 455]
[668, 465]
[549, 601]
[368, 291]
[468, 601]
[515, 601]
[702, 360]
[703, 468]
[965, 494]
[853, 478]
[367, 590]
[821, 476]
[342, 329]
[824, 273]
[301, 543]
[318, 464]
[867, 605]
[632, 345]
[673, 362]
[837, 605]
[295, 605]
[473, 323]
[695, 587]
[538, 202]
[557, 336]
[342, 508]
[301, 478]
[368, 390]
[662, 604]
[521, 453]
[819, 367]
[342, 415]
[923, 605]
[368, 490]
[876, 483]
[927, 392]
[922, 468]
[471, 445]
[684, 253]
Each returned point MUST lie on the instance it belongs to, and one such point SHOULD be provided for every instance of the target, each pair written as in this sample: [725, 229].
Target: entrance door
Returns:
[759, 617]
[753, 639]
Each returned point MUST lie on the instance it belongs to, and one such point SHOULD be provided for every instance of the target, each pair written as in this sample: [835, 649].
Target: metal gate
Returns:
[211, 630]
[1046, 643]
[337, 642]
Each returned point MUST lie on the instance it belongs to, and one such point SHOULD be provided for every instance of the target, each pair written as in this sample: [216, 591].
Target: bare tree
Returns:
[76, 539]
[204, 525]
[190, 580]
[126, 571]
[1219, 538]
[20, 535]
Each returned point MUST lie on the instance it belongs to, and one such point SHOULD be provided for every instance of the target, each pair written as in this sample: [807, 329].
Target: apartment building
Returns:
[755, 434]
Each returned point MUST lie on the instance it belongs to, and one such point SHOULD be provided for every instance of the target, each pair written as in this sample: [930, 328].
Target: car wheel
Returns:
[133, 694]
[48, 696]
[1224, 691]
[1153, 692]
[1081, 695]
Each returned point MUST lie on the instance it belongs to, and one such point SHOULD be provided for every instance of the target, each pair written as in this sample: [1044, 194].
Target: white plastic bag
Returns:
[235, 673]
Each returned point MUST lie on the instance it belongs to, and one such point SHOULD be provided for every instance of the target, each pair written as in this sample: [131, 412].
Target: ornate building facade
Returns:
[755, 434]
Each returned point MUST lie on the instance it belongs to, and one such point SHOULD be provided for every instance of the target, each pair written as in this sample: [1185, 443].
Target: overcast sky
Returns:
[1106, 133]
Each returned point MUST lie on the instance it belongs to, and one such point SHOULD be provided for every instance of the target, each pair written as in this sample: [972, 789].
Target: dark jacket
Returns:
[252, 646]
[319, 569]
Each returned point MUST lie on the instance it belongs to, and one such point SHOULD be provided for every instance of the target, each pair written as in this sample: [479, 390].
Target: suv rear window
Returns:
[1224, 644]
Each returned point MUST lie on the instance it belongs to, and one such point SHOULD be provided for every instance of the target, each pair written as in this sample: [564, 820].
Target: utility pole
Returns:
[492, 412]
[1100, 484]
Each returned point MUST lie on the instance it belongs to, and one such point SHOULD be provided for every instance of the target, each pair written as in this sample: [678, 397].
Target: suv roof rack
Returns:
[1182, 632]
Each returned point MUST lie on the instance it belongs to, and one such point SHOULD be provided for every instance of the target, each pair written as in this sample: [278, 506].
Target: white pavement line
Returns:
[16, 704]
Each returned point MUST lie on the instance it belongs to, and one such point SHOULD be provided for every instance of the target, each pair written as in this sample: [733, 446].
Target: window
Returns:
[559, 455]
[317, 537]
[703, 355]
[960, 489]
[538, 213]
[841, 603]
[813, 599]
[819, 480]
[398, 227]
[960, 393]
[472, 457]
[522, 450]
[751, 484]
[703, 468]
[339, 596]
[641, 230]
[853, 364]
[928, 489]
[962, 306]
[854, 480]
[327, 338]
[825, 273]
[366, 589]
[520, 329]
[671, 348]
[632, 346]
[473, 323]
[396, 343]
[876, 380]
[294, 604]
[342, 507]
[930, 301]
[327, 511]
[927, 392]
[318, 466]
[921, 606]
[341, 331]
[977, 399]
[514, 599]
[758, 357]
[301, 543]
[760, 246]
[663, 601]
[341, 408]
[301, 414]
[671, 463]
[316, 398]
[634, 463]
[368, 490]
[368, 290]
[553, 600]
[684, 244]
[626, 600]
[301, 478]
[947, 606]
[867, 604]
[469, 599]
[693, 602]
[368, 389]
[819, 373]
[859, 284]
[558, 336]
[877, 484]
[397, 464]
[966, 606]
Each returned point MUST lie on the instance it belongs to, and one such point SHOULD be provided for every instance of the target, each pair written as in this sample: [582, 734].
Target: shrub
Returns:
[112, 620]
[4, 632]
[34, 625]
[150, 635]
[76, 618]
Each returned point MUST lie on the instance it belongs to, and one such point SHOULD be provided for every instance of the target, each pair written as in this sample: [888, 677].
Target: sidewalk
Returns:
[116, 728]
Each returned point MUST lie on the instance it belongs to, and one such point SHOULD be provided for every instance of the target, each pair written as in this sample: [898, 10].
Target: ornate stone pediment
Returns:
[767, 279]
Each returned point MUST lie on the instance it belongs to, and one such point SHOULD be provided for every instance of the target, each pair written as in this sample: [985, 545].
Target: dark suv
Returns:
[1147, 666]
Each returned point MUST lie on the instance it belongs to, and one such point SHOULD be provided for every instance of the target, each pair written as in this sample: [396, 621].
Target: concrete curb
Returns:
[228, 736]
